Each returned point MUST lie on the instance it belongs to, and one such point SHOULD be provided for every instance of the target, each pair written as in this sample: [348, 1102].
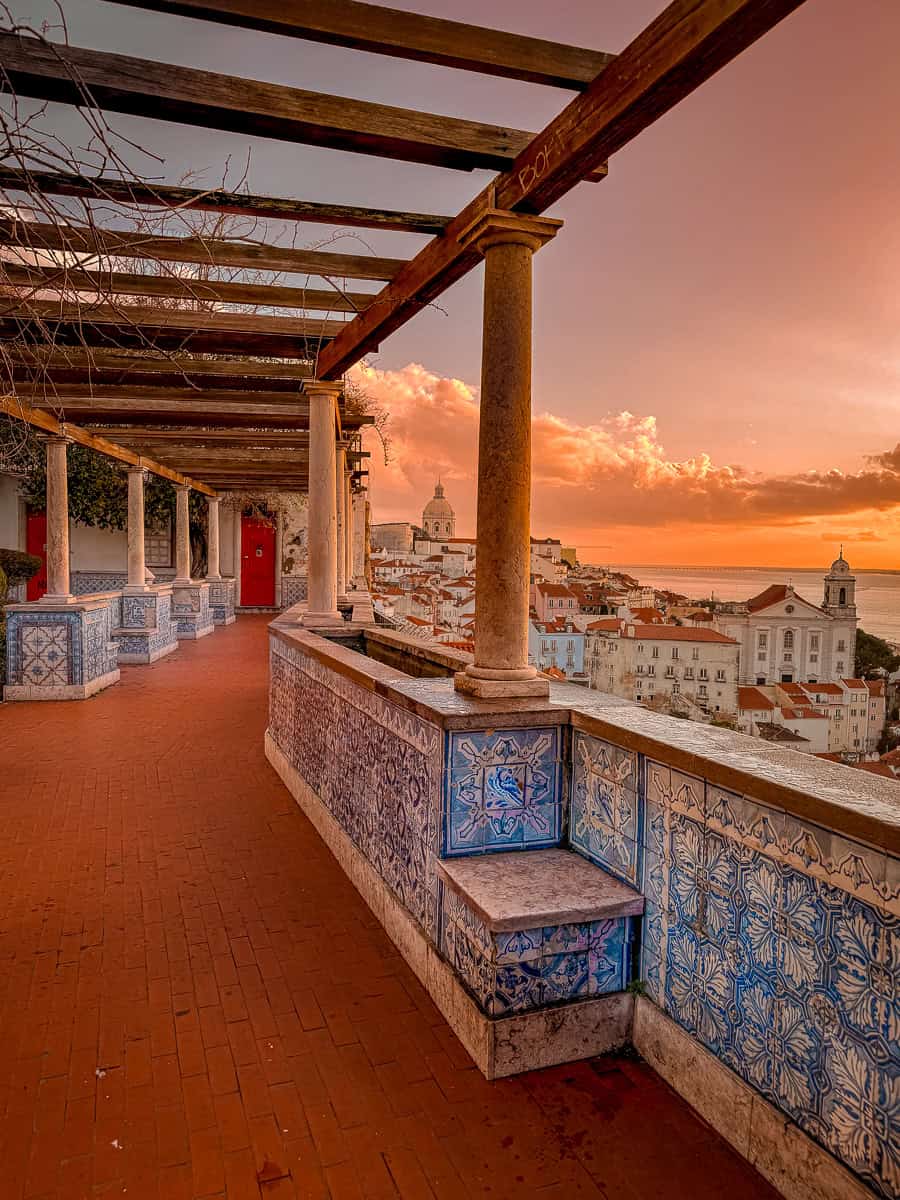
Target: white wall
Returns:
[97, 549]
[10, 532]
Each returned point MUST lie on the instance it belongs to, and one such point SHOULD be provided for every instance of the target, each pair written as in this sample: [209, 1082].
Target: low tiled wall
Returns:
[293, 590]
[61, 653]
[85, 583]
[771, 933]
[148, 631]
[221, 601]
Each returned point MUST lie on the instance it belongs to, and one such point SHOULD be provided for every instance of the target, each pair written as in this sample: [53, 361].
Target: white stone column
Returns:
[236, 552]
[212, 539]
[321, 606]
[508, 241]
[182, 534]
[137, 564]
[340, 460]
[58, 583]
[359, 535]
[348, 526]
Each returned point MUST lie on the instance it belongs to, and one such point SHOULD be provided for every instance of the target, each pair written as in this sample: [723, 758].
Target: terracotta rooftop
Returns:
[752, 698]
[675, 633]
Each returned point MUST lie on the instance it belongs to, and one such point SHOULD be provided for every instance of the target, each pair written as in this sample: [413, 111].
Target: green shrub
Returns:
[18, 567]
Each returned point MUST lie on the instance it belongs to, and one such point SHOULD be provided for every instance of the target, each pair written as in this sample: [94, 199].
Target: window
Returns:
[761, 656]
[789, 608]
[814, 658]
[720, 675]
[760, 679]
[763, 640]
[675, 689]
[640, 668]
[788, 658]
[789, 639]
[689, 672]
[674, 651]
[651, 670]
[158, 544]
[841, 646]
[655, 652]
[670, 672]
[842, 596]
[840, 665]
[640, 648]
[695, 653]
[704, 674]
[703, 690]
[814, 642]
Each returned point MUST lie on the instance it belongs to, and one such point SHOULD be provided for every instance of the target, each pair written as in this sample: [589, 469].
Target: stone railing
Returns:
[766, 963]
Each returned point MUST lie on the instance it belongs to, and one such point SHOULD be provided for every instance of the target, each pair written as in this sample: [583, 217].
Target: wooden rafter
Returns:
[43, 420]
[107, 394]
[247, 412]
[402, 35]
[77, 364]
[110, 285]
[113, 243]
[217, 200]
[144, 316]
[683, 47]
[162, 91]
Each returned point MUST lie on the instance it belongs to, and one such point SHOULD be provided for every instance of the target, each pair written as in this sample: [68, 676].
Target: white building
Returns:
[785, 638]
[438, 518]
[763, 710]
[666, 665]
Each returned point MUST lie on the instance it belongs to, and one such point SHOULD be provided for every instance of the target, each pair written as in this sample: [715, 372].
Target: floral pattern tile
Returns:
[605, 818]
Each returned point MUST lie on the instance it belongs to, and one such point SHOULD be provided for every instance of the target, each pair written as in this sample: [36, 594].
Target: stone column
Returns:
[212, 539]
[182, 534]
[508, 241]
[137, 565]
[321, 606]
[57, 522]
[348, 526]
[236, 552]
[340, 460]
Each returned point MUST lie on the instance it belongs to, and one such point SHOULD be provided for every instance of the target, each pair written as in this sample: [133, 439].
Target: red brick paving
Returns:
[196, 1003]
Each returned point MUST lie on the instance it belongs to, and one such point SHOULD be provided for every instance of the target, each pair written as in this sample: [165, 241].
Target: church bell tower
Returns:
[840, 589]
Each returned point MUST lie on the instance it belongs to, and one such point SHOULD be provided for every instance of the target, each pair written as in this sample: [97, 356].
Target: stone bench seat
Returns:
[530, 929]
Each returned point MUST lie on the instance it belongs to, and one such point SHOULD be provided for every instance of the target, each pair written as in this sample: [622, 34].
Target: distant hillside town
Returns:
[777, 666]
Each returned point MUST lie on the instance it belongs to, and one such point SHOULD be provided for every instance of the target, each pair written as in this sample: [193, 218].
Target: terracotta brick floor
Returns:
[196, 1003]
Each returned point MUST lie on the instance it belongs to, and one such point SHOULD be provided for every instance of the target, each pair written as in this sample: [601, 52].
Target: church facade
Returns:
[438, 518]
[785, 638]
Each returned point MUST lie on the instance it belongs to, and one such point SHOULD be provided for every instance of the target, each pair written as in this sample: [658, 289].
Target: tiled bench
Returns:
[528, 930]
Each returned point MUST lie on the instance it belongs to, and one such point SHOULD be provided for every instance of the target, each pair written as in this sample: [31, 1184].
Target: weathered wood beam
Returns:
[140, 410]
[214, 437]
[106, 394]
[77, 364]
[139, 315]
[224, 456]
[402, 35]
[162, 91]
[113, 243]
[14, 407]
[217, 200]
[683, 47]
[112, 286]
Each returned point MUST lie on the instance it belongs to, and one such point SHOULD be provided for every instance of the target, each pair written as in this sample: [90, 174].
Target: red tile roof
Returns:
[752, 698]
[676, 633]
[555, 589]
[606, 624]
[853, 683]
[875, 686]
[771, 595]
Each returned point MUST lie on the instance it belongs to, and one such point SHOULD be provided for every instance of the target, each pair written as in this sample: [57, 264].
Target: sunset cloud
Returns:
[614, 473]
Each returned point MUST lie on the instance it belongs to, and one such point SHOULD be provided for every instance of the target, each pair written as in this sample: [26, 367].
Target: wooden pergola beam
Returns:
[217, 200]
[162, 91]
[180, 438]
[246, 413]
[29, 236]
[79, 364]
[109, 394]
[402, 35]
[683, 47]
[13, 407]
[113, 286]
[130, 316]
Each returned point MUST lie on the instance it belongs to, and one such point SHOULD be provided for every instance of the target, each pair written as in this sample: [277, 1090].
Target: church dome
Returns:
[438, 508]
[840, 566]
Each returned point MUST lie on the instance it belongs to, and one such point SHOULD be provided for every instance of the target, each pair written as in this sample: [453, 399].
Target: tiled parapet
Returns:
[64, 652]
[86, 583]
[221, 601]
[776, 943]
[147, 632]
[502, 790]
[528, 931]
[606, 816]
[191, 611]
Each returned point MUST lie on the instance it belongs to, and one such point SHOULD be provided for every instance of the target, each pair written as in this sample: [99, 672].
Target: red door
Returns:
[257, 563]
[36, 544]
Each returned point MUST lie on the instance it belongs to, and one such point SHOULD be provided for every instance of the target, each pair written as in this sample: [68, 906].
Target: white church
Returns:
[785, 638]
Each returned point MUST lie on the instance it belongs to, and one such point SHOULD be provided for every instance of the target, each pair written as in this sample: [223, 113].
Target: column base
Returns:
[49, 598]
[500, 689]
[312, 619]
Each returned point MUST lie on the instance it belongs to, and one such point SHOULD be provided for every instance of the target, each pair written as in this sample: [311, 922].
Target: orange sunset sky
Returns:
[717, 326]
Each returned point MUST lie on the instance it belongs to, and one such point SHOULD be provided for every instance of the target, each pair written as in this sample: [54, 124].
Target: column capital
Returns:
[182, 487]
[57, 439]
[496, 226]
[138, 469]
[323, 387]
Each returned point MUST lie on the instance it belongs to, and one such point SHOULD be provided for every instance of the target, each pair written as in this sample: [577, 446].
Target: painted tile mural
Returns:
[503, 790]
[605, 818]
[529, 968]
[775, 943]
[60, 649]
[373, 764]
